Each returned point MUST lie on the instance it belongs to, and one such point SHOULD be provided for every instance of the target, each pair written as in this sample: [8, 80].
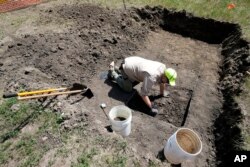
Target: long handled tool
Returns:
[8, 95]
[103, 106]
[76, 88]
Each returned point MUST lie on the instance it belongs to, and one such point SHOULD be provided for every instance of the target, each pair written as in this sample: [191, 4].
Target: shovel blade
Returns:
[88, 93]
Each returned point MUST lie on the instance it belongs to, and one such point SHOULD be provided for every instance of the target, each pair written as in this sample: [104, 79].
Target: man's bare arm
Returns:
[162, 88]
[147, 101]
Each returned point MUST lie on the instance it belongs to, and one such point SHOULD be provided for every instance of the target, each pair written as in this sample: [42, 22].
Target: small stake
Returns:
[124, 4]
[103, 106]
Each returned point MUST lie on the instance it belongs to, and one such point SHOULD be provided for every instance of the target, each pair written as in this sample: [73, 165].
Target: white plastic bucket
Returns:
[183, 145]
[121, 126]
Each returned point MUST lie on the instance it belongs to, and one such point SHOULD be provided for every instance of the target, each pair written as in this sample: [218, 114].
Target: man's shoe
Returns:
[153, 112]
[111, 70]
[166, 93]
[112, 66]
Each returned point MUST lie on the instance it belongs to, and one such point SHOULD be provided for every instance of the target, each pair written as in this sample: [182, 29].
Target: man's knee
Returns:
[127, 85]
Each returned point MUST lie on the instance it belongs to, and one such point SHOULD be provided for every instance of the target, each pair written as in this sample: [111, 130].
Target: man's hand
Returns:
[165, 94]
[154, 110]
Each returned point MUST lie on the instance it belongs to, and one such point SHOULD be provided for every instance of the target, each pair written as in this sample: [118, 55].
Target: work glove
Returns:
[165, 94]
[154, 110]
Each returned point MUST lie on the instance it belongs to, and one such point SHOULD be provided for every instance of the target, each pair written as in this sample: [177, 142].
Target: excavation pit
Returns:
[172, 109]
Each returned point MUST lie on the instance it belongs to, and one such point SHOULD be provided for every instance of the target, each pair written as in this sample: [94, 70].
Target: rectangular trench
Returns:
[213, 111]
[195, 96]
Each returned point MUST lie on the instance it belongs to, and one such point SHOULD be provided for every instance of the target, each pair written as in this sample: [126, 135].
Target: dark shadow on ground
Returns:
[136, 103]
[173, 165]
[117, 93]
[109, 128]
[14, 131]
[161, 155]
[133, 100]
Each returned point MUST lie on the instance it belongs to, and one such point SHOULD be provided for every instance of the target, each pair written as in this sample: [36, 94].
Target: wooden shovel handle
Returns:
[8, 95]
[51, 94]
[41, 91]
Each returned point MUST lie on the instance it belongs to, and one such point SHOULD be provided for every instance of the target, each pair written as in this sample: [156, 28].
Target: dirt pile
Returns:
[181, 22]
[95, 37]
[233, 72]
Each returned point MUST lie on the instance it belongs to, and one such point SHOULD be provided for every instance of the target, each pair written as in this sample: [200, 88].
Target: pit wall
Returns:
[234, 67]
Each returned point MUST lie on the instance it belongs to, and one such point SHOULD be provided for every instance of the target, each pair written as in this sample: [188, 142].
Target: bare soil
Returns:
[172, 109]
[86, 40]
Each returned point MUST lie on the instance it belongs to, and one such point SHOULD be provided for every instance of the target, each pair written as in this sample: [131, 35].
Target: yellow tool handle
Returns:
[40, 91]
[51, 94]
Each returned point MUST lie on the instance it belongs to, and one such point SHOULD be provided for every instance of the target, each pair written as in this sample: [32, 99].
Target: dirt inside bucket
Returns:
[187, 142]
[119, 119]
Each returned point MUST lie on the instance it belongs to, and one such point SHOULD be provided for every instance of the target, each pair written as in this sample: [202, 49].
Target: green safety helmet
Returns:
[171, 74]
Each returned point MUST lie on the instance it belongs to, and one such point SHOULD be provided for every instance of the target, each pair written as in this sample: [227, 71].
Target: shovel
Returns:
[76, 88]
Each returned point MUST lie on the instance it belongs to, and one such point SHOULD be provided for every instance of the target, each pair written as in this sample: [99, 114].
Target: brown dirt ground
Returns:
[85, 40]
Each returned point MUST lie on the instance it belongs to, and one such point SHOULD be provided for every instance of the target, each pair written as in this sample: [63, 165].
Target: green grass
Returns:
[118, 144]
[245, 98]
[116, 161]
[247, 83]
[50, 121]
[32, 160]
[62, 152]
[18, 21]
[25, 145]
[51, 162]
[247, 142]
[136, 163]
[27, 149]
[152, 164]
[116, 157]
[3, 155]
[9, 119]
[1, 34]
[11, 21]
[84, 160]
